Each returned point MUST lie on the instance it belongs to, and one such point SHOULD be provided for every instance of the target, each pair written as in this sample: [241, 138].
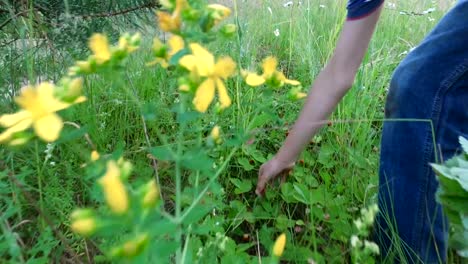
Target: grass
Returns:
[336, 175]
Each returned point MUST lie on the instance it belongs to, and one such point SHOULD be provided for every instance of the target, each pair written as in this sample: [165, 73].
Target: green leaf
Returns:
[197, 213]
[242, 186]
[162, 153]
[197, 160]
[186, 117]
[260, 120]
[299, 195]
[287, 192]
[245, 164]
[176, 57]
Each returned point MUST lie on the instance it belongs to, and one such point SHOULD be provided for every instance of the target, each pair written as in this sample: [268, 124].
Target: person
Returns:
[426, 109]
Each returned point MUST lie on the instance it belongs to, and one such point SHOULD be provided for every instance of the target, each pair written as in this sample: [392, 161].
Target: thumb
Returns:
[262, 180]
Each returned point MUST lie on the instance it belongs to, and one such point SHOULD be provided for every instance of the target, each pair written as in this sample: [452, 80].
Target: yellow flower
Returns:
[278, 247]
[202, 63]
[135, 246]
[70, 90]
[114, 189]
[301, 95]
[270, 75]
[175, 43]
[218, 12]
[94, 155]
[83, 222]
[129, 43]
[84, 227]
[172, 22]
[151, 195]
[39, 105]
[99, 45]
[132, 247]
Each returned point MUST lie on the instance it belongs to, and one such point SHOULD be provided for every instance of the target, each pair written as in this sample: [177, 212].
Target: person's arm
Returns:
[329, 87]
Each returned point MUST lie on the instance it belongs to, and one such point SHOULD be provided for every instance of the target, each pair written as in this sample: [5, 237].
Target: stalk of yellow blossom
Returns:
[202, 63]
[278, 247]
[114, 189]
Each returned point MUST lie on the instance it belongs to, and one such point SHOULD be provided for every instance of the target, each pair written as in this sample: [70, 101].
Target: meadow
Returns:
[187, 177]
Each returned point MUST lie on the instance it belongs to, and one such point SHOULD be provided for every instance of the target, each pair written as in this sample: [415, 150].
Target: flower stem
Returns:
[178, 180]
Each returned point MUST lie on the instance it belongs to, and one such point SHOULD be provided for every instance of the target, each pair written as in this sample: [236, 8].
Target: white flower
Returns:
[48, 151]
[200, 252]
[358, 223]
[322, 6]
[372, 247]
[288, 4]
[355, 242]
[431, 19]
[276, 32]
[391, 5]
[430, 10]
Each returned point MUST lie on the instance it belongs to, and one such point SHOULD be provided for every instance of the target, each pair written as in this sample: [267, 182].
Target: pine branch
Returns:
[122, 12]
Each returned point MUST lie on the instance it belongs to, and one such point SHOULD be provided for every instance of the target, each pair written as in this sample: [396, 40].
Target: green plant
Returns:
[453, 195]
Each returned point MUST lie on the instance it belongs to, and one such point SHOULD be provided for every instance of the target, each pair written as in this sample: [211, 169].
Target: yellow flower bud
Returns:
[184, 88]
[229, 29]
[84, 66]
[215, 134]
[301, 95]
[167, 22]
[135, 39]
[159, 48]
[278, 247]
[218, 11]
[18, 141]
[166, 4]
[94, 155]
[83, 222]
[75, 88]
[114, 189]
[132, 247]
[151, 196]
[84, 227]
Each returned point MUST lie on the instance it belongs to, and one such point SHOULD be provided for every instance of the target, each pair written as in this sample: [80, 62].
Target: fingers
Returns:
[263, 178]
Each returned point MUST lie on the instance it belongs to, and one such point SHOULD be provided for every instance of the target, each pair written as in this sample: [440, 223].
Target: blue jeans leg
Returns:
[427, 110]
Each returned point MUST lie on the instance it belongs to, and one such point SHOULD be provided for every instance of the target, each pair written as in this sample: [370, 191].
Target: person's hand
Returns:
[270, 170]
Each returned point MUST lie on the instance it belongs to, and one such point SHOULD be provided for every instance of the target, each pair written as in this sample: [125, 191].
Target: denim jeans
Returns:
[427, 110]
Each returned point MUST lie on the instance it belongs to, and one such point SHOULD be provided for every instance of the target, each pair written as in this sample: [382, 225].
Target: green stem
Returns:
[212, 180]
[178, 179]
[39, 177]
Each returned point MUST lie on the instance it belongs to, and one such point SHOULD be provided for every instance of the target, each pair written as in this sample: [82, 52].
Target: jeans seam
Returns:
[444, 87]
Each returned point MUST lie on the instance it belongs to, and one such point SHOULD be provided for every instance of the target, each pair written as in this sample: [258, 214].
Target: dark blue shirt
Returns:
[361, 8]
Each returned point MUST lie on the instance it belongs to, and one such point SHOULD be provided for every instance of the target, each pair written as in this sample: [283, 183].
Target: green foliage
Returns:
[134, 112]
[453, 195]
